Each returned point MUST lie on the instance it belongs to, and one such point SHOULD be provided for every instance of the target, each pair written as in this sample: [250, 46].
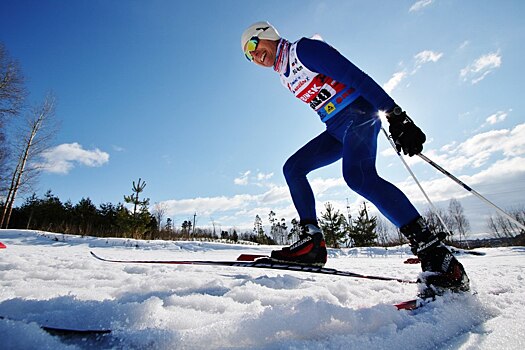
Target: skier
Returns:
[348, 101]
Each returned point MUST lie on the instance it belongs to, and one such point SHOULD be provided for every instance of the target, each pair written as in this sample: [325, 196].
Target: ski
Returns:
[64, 331]
[74, 331]
[250, 257]
[2, 245]
[413, 304]
[458, 251]
[262, 263]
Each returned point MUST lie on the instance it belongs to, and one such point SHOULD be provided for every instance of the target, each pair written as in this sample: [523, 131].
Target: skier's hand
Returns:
[406, 135]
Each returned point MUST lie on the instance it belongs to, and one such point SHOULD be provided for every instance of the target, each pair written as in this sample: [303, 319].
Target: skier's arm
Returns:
[322, 58]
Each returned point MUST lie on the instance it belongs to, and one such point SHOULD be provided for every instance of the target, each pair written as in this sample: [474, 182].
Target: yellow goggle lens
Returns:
[250, 47]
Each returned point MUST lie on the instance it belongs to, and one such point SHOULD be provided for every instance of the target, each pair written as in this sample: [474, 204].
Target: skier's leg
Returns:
[319, 152]
[449, 273]
[311, 247]
[359, 172]
[359, 154]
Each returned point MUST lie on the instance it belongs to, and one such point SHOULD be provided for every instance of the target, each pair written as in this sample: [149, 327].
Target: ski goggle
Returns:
[250, 47]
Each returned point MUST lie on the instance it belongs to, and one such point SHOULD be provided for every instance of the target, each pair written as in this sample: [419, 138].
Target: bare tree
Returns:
[502, 227]
[458, 220]
[34, 139]
[12, 95]
[387, 233]
[12, 87]
[432, 217]
[159, 211]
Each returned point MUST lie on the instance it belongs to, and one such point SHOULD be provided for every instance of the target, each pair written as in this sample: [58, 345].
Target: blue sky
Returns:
[161, 90]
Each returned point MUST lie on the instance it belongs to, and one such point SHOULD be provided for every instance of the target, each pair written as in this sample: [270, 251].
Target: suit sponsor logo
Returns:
[310, 92]
[301, 242]
[329, 108]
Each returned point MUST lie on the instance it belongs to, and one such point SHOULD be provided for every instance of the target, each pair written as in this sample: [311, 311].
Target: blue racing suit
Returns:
[347, 101]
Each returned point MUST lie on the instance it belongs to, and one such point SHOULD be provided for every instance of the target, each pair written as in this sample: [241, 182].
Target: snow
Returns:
[52, 280]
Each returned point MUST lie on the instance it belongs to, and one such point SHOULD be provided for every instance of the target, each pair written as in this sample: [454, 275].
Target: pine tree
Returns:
[134, 197]
[258, 230]
[85, 213]
[332, 223]
[186, 228]
[274, 231]
[362, 231]
[141, 217]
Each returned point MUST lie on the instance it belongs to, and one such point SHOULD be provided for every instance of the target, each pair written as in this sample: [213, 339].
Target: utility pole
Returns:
[194, 216]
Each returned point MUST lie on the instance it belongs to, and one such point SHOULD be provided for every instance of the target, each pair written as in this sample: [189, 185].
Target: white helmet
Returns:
[262, 30]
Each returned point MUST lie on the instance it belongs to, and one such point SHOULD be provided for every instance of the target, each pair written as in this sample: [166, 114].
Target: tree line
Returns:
[364, 229]
[134, 218]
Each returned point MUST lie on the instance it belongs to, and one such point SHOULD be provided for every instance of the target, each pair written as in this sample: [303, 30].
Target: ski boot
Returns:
[309, 250]
[442, 272]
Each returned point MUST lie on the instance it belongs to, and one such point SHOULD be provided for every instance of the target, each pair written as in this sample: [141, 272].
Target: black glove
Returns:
[406, 135]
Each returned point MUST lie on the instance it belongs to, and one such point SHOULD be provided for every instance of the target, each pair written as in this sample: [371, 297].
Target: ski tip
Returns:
[65, 331]
[413, 304]
[412, 261]
[250, 257]
[95, 255]
[2, 245]
[70, 332]
[407, 305]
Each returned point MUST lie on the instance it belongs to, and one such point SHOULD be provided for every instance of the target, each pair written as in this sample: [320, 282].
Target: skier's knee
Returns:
[355, 181]
[291, 170]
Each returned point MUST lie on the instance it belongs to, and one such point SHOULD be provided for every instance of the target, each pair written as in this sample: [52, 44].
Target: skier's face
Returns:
[264, 53]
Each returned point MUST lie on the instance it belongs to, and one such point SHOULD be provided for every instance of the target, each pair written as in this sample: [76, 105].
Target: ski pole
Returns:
[416, 180]
[471, 190]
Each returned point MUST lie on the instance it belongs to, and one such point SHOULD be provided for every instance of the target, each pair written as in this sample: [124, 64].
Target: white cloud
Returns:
[421, 58]
[443, 189]
[62, 158]
[243, 179]
[262, 176]
[321, 186]
[209, 205]
[464, 44]
[480, 147]
[245, 207]
[481, 67]
[496, 118]
[260, 179]
[118, 148]
[276, 194]
[424, 57]
[477, 150]
[396, 79]
[427, 56]
[419, 5]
